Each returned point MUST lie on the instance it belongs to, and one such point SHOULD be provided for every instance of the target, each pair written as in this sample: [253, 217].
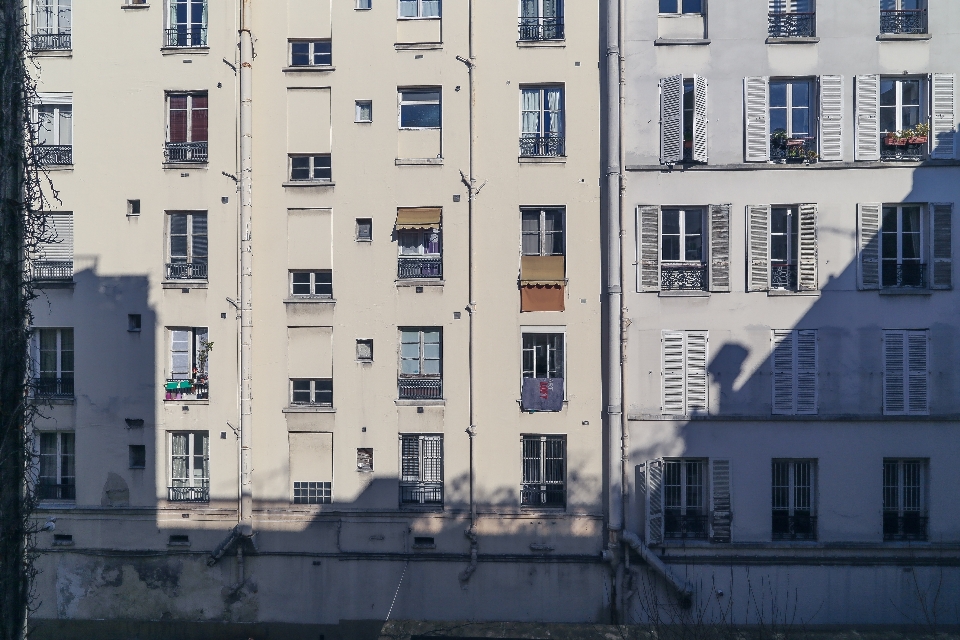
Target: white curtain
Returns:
[554, 109]
[528, 9]
[44, 19]
[531, 111]
[178, 457]
[408, 8]
[430, 8]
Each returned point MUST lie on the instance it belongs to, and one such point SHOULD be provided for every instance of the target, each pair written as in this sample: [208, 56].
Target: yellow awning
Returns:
[542, 270]
[419, 218]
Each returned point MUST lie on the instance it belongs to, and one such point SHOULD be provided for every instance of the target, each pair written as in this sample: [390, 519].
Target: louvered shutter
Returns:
[721, 507]
[671, 120]
[868, 117]
[655, 501]
[942, 253]
[719, 248]
[807, 279]
[917, 378]
[868, 245]
[700, 119]
[758, 247]
[755, 99]
[696, 360]
[58, 246]
[431, 449]
[673, 401]
[648, 222]
[806, 367]
[944, 119]
[831, 118]
[784, 362]
[410, 458]
[894, 402]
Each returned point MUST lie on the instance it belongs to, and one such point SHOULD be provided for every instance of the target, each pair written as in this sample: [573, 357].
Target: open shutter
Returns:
[700, 119]
[868, 245]
[671, 120]
[180, 355]
[648, 222]
[942, 246]
[655, 501]
[755, 100]
[806, 380]
[917, 372]
[784, 362]
[893, 378]
[831, 118]
[807, 258]
[720, 496]
[758, 247]
[59, 233]
[696, 361]
[942, 141]
[868, 117]
[719, 248]
[673, 402]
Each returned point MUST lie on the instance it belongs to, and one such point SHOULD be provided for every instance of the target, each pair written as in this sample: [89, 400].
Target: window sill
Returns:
[309, 183]
[134, 6]
[407, 162]
[171, 51]
[775, 293]
[187, 284]
[420, 403]
[54, 284]
[185, 165]
[182, 401]
[539, 44]
[310, 301]
[542, 159]
[51, 53]
[306, 408]
[906, 292]
[414, 282]
[797, 40]
[672, 42]
[320, 68]
[417, 46]
[684, 294]
[58, 167]
[903, 36]
[54, 400]
[57, 504]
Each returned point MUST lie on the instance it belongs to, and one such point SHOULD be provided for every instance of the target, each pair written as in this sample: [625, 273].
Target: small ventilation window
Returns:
[62, 539]
[134, 322]
[365, 350]
[423, 541]
[133, 207]
[365, 460]
[364, 230]
[138, 456]
[177, 540]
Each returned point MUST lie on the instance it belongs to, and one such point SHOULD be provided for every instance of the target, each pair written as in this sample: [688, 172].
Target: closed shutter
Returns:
[648, 222]
[721, 507]
[942, 142]
[806, 381]
[794, 372]
[700, 119]
[894, 401]
[58, 236]
[917, 398]
[655, 501]
[868, 246]
[831, 118]
[758, 247]
[696, 390]
[868, 117]
[755, 100]
[431, 448]
[719, 248]
[674, 399]
[409, 458]
[671, 120]
[784, 362]
[807, 254]
[942, 246]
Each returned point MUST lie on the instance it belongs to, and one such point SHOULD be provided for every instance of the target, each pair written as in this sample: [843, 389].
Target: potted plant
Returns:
[915, 135]
[779, 138]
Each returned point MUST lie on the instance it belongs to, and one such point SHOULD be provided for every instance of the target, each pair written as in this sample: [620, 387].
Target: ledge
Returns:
[406, 162]
[299, 184]
[308, 409]
[58, 167]
[309, 69]
[187, 402]
[185, 165]
[542, 159]
[672, 42]
[684, 294]
[822, 165]
[51, 53]
[420, 403]
[196, 51]
[797, 40]
[906, 292]
[189, 284]
[539, 44]
[417, 46]
[49, 400]
[893, 37]
[426, 282]
[134, 6]
[777, 293]
[774, 418]
[53, 284]
[310, 301]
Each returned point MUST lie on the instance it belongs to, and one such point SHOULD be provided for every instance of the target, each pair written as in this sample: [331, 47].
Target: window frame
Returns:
[680, 11]
[199, 372]
[922, 261]
[359, 6]
[541, 233]
[550, 333]
[62, 373]
[684, 510]
[313, 283]
[190, 26]
[191, 237]
[314, 392]
[900, 487]
[312, 166]
[191, 481]
[420, 15]
[358, 105]
[401, 103]
[360, 223]
[62, 462]
[417, 482]
[312, 53]
[704, 235]
[542, 109]
[793, 491]
[922, 105]
[421, 357]
[541, 482]
[189, 110]
[789, 106]
[58, 109]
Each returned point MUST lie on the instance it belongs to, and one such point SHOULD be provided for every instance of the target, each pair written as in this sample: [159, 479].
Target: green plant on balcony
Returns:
[918, 134]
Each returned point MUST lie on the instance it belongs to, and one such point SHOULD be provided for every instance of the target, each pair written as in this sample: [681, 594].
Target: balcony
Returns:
[186, 271]
[51, 155]
[52, 270]
[908, 275]
[49, 387]
[795, 527]
[421, 493]
[910, 525]
[537, 495]
[184, 36]
[413, 268]
[792, 25]
[189, 494]
[678, 526]
[796, 149]
[783, 276]
[900, 22]
[547, 145]
[51, 41]
[53, 491]
[198, 389]
[420, 388]
[683, 277]
[186, 151]
[909, 149]
[534, 29]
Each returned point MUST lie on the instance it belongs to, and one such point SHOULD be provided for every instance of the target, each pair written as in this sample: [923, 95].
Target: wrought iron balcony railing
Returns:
[909, 525]
[792, 25]
[907, 275]
[189, 494]
[548, 496]
[420, 388]
[53, 491]
[796, 527]
[912, 151]
[49, 155]
[186, 271]
[185, 36]
[51, 41]
[49, 387]
[187, 389]
[906, 21]
[52, 270]
[683, 277]
[423, 493]
[678, 526]
[783, 276]
[541, 28]
[796, 149]
[186, 151]
[550, 144]
[419, 268]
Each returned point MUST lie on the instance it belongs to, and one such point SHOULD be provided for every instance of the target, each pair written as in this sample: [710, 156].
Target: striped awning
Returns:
[419, 218]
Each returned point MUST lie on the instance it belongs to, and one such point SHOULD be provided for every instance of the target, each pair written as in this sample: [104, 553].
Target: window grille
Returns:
[904, 499]
[57, 466]
[312, 493]
[684, 495]
[421, 469]
[794, 495]
[544, 471]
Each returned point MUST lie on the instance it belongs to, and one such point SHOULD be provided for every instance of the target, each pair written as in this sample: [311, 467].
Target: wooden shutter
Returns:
[700, 119]
[868, 245]
[719, 248]
[671, 120]
[696, 361]
[806, 379]
[831, 118]
[59, 238]
[721, 506]
[784, 361]
[894, 401]
[942, 253]
[917, 396]
[655, 501]
[807, 259]
[868, 117]
[674, 400]
[758, 247]
[648, 268]
[942, 139]
[755, 99]
[431, 452]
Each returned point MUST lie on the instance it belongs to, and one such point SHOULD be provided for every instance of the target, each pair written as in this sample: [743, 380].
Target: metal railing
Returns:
[184, 36]
[419, 268]
[798, 149]
[186, 271]
[678, 526]
[792, 25]
[910, 275]
[189, 494]
[53, 491]
[420, 388]
[541, 28]
[49, 387]
[51, 41]
[912, 151]
[426, 493]
[186, 390]
[550, 144]
[47, 270]
[783, 276]
[905, 526]
[186, 151]
[795, 527]
[50, 155]
[538, 495]
[906, 21]
[683, 277]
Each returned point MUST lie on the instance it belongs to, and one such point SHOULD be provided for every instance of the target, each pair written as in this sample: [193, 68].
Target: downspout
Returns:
[246, 267]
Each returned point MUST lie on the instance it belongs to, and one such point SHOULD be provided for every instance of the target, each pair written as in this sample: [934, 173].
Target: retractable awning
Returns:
[419, 218]
[542, 270]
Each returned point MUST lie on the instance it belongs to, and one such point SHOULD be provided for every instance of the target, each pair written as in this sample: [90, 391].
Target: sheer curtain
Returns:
[531, 111]
[554, 110]
[178, 459]
[429, 8]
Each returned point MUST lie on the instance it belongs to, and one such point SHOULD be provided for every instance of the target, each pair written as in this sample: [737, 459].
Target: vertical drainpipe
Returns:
[246, 266]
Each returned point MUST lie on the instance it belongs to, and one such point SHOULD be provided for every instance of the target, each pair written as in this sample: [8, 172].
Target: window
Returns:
[312, 392]
[133, 207]
[134, 322]
[681, 6]
[905, 375]
[904, 499]
[188, 246]
[53, 118]
[421, 470]
[541, 19]
[305, 167]
[316, 284]
[542, 262]
[795, 372]
[544, 471]
[137, 456]
[51, 25]
[683, 119]
[541, 121]
[902, 260]
[782, 248]
[419, 108]
[364, 230]
[187, 117]
[54, 255]
[420, 364]
[905, 246]
[364, 111]
[684, 372]
[57, 472]
[314, 53]
[542, 232]
[782, 119]
[53, 362]
[189, 466]
[794, 497]
[419, 9]
[419, 254]
[684, 499]
[683, 248]
[365, 460]
[901, 111]
[189, 364]
[792, 114]
[543, 371]
[364, 4]
[895, 117]
[312, 493]
[365, 350]
[792, 19]
[903, 16]
[186, 23]
[311, 467]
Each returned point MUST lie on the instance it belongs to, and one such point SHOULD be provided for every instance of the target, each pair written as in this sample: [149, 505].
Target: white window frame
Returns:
[190, 95]
[421, 358]
[61, 103]
[58, 457]
[60, 371]
[923, 222]
[542, 109]
[358, 111]
[311, 52]
[812, 113]
[422, 243]
[420, 16]
[196, 335]
[793, 243]
[401, 103]
[428, 472]
[191, 480]
[312, 284]
[681, 12]
[551, 355]
[34, 22]
[898, 5]
[541, 232]
[190, 258]
[168, 14]
[364, 5]
[922, 104]
[704, 237]
[312, 166]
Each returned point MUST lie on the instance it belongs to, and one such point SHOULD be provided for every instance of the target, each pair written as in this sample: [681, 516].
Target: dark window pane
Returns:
[668, 6]
[322, 52]
[300, 168]
[801, 94]
[670, 248]
[910, 92]
[321, 168]
[911, 219]
[778, 94]
[301, 284]
[694, 222]
[671, 222]
[300, 53]
[889, 220]
[693, 6]
[888, 93]
[420, 115]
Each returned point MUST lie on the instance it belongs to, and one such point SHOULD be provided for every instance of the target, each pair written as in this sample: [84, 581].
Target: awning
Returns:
[419, 218]
[542, 270]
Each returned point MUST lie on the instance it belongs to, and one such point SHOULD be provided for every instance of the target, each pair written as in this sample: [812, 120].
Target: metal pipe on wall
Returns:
[246, 267]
